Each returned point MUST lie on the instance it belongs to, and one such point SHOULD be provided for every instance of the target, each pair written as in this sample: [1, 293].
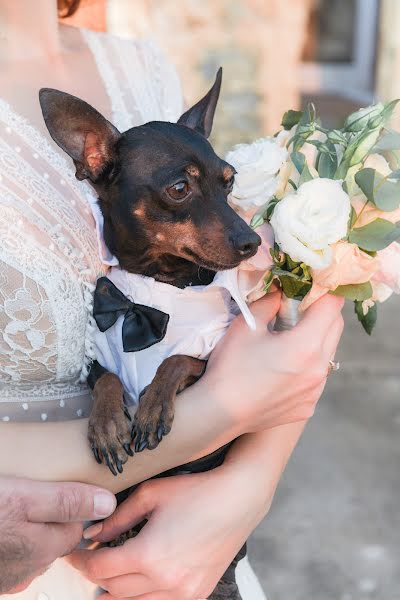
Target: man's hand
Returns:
[40, 522]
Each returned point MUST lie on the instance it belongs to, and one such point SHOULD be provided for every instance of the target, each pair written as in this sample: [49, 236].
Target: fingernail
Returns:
[92, 531]
[104, 504]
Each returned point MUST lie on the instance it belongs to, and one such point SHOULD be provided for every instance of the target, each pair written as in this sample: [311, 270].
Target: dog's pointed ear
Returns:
[200, 116]
[81, 131]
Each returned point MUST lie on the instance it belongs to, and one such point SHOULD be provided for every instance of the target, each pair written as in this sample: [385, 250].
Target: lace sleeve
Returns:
[48, 265]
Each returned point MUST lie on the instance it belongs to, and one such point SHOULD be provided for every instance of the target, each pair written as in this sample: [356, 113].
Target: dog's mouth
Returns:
[207, 263]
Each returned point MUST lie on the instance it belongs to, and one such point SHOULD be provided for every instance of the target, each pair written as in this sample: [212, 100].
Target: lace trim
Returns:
[121, 117]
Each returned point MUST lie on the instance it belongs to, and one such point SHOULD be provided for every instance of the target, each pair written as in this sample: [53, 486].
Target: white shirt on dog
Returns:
[199, 316]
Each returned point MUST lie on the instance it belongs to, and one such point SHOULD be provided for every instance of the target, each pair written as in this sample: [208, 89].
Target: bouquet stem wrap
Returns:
[288, 315]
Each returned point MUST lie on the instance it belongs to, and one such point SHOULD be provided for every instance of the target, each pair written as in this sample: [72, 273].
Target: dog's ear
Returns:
[81, 131]
[200, 116]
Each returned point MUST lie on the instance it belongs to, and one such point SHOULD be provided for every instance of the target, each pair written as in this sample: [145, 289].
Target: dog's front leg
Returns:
[154, 416]
[110, 427]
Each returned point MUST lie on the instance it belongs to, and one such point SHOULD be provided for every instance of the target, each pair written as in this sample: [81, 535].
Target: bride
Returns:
[259, 386]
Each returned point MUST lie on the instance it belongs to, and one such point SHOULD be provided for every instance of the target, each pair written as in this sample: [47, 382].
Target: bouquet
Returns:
[329, 202]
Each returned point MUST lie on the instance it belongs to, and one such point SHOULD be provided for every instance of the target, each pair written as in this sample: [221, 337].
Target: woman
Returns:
[49, 261]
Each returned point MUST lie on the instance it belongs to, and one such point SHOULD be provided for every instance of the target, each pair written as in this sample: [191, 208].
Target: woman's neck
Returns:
[28, 30]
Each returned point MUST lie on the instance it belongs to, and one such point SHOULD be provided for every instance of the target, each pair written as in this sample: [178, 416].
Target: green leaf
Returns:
[375, 236]
[327, 161]
[299, 160]
[356, 291]
[268, 279]
[291, 118]
[337, 137]
[305, 175]
[352, 218]
[364, 145]
[267, 214]
[358, 120]
[388, 110]
[382, 193]
[368, 321]
[294, 288]
[257, 221]
[389, 141]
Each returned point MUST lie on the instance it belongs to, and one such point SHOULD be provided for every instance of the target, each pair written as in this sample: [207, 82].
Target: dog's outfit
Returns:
[196, 318]
[49, 265]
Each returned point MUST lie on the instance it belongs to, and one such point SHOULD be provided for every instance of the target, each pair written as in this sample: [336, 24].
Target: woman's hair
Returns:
[66, 8]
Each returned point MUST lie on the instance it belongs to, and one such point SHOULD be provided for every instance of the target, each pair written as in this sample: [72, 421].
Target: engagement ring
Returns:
[333, 366]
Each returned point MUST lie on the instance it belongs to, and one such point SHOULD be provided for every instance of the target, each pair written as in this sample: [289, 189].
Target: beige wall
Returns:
[257, 42]
[388, 62]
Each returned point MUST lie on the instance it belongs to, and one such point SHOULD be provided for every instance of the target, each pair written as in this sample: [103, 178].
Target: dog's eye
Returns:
[179, 190]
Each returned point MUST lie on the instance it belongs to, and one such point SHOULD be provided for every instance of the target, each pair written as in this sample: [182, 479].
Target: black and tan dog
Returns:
[163, 193]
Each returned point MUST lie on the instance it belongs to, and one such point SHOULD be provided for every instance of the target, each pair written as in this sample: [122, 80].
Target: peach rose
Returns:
[349, 265]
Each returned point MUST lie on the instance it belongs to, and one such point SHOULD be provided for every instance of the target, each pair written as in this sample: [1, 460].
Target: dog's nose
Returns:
[247, 243]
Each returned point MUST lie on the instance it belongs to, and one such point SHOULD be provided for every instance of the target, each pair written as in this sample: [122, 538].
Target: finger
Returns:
[67, 502]
[108, 562]
[320, 316]
[332, 339]
[54, 540]
[266, 308]
[126, 586]
[128, 514]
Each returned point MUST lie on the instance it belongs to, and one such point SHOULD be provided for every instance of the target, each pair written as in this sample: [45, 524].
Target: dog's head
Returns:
[162, 189]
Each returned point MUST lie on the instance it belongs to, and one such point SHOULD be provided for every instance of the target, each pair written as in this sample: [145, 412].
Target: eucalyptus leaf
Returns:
[356, 291]
[352, 218]
[291, 118]
[378, 189]
[368, 320]
[305, 175]
[388, 141]
[375, 236]
[299, 160]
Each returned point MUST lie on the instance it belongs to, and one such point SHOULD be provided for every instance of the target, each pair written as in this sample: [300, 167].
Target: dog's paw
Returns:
[110, 435]
[153, 418]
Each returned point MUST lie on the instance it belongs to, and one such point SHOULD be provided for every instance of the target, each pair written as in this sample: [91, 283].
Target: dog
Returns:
[162, 191]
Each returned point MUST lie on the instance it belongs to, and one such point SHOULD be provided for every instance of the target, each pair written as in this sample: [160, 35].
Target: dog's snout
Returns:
[247, 243]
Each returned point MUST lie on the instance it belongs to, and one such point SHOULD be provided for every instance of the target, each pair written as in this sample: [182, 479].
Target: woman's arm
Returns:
[254, 380]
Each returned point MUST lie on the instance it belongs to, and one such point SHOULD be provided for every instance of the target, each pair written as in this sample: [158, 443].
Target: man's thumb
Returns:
[67, 502]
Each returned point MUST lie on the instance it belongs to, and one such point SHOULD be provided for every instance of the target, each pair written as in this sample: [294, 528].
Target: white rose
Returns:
[257, 167]
[307, 221]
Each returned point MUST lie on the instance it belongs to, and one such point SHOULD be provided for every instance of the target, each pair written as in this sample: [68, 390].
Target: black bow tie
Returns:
[142, 327]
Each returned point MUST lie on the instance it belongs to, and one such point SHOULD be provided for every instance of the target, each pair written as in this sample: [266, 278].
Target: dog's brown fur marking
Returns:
[154, 416]
[109, 426]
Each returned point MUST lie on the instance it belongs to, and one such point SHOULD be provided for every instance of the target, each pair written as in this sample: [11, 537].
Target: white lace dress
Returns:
[49, 262]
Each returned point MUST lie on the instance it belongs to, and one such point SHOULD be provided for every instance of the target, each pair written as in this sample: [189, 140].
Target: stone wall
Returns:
[258, 43]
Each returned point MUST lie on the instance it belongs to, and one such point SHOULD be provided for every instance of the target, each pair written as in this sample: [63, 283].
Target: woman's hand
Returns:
[196, 526]
[264, 379]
